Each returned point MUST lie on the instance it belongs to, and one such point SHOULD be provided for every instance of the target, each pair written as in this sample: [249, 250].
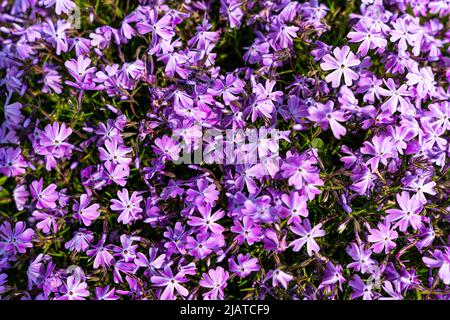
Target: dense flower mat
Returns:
[100, 99]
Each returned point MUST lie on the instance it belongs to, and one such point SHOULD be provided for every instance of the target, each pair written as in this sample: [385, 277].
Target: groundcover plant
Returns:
[232, 149]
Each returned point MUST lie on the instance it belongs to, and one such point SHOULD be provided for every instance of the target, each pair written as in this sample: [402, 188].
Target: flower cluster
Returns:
[99, 100]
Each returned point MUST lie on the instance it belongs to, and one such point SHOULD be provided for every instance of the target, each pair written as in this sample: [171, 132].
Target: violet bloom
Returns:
[307, 236]
[103, 256]
[47, 221]
[171, 283]
[203, 244]
[82, 73]
[129, 207]
[159, 28]
[421, 187]
[206, 193]
[208, 220]
[302, 171]
[382, 238]
[331, 276]
[61, 6]
[17, 239]
[51, 80]
[167, 147]
[381, 149]
[440, 259]
[244, 266]
[264, 100]
[325, 116]
[279, 277]
[396, 97]
[361, 256]
[46, 198]
[84, 212]
[341, 63]
[105, 293]
[247, 231]
[370, 37]
[117, 154]
[57, 35]
[3, 282]
[52, 140]
[409, 213]
[12, 162]
[74, 289]
[282, 35]
[232, 9]
[297, 206]
[35, 271]
[152, 263]
[216, 280]
[81, 241]
[361, 289]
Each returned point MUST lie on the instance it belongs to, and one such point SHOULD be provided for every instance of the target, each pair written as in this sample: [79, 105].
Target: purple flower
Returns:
[167, 147]
[129, 207]
[440, 259]
[279, 277]
[370, 37]
[12, 162]
[409, 213]
[244, 266]
[208, 221]
[15, 239]
[52, 140]
[103, 256]
[332, 275]
[247, 231]
[46, 198]
[324, 115]
[84, 212]
[56, 35]
[307, 236]
[382, 238]
[216, 280]
[204, 195]
[74, 289]
[361, 289]
[381, 149]
[165, 278]
[105, 293]
[361, 256]
[297, 206]
[341, 63]
[115, 153]
[81, 241]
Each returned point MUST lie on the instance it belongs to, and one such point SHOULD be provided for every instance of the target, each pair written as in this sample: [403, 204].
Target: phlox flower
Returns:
[129, 207]
[307, 235]
[341, 62]
[216, 280]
